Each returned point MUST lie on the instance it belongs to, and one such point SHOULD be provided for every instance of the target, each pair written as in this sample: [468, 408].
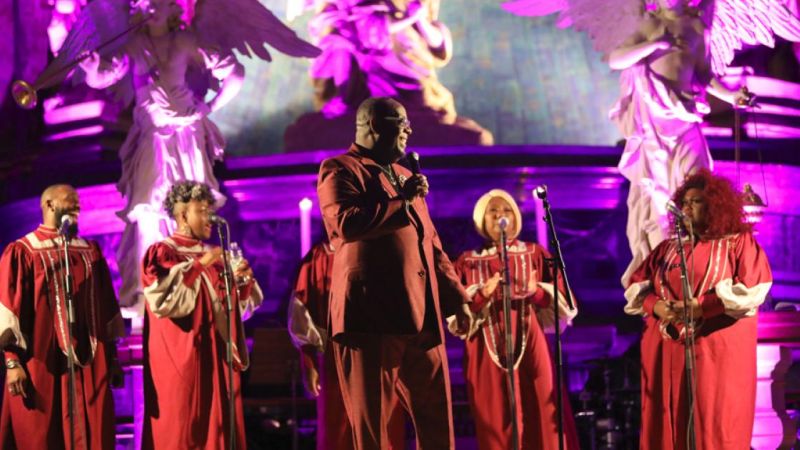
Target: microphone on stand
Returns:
[541, 191]
[68, 226]
[674, 210]
[503, 223]
[413, 162]
[217, 220]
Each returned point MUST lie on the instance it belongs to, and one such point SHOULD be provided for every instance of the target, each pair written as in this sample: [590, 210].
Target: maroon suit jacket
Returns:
[387, 254]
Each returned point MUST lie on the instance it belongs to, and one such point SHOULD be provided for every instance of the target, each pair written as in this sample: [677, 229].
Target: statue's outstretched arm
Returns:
[435, 34]
[230, 86]
[228, 70]
[648, 38]
[101, 73]
[636, 49]
[736, 98]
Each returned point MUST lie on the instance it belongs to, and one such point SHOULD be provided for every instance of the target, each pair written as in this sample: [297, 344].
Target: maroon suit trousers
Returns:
[375, 371]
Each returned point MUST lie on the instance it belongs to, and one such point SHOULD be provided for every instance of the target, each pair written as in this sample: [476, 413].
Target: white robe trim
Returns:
[302, 329]
[9, 321]
[740, 300]
[635, 297]
[170, 297]
[546, 316]
[33, 242]
[248, 306]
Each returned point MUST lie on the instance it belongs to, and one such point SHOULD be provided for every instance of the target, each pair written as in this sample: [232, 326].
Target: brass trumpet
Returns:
[25, 94]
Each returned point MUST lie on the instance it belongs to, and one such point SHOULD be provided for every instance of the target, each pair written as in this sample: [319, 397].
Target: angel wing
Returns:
[296, 8]
[607, 25]
[101, 26]
[736, 23]
[246, 25]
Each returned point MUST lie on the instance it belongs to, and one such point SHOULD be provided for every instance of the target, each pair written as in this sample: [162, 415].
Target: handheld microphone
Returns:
[413, 162]
[674, 210]
[217, 220]
[540, 191]
[503, 223]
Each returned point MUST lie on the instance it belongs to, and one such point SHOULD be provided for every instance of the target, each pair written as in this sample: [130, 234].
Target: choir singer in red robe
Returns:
[33, 335]
[485, 362]
[308, 319]
[729, 277]
[186, 326]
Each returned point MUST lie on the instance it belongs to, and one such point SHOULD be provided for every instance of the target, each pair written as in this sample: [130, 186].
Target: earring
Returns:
[185, 229]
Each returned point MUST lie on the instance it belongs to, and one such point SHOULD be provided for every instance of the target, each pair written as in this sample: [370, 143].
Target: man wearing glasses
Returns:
[391, 284]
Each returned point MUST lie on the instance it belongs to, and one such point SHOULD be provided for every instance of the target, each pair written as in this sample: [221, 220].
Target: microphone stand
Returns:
[72, 395]
[557, 264]
[509, 337]
[688, 324]
[227, 275]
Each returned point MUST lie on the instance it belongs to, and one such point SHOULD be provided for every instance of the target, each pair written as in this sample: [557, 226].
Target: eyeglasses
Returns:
[401, 121]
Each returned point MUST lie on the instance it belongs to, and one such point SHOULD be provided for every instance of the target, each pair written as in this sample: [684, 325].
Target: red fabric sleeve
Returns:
[752, 267]
[245, 291]
[460, 269]
[352, 213]
[191, 275]
[305, 277]
[649, 303]
[451, 291]
[16, 288]
[546, 273]
[107, 298]
[645, 272]
[158, 261]
[540, 299]
[711, 304]
[313, 282]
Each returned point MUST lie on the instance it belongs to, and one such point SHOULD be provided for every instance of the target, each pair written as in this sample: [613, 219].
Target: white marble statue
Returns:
[670, 53]
[166, 65]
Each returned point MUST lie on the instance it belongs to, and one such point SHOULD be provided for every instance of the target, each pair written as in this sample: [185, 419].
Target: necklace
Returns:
[389, 172]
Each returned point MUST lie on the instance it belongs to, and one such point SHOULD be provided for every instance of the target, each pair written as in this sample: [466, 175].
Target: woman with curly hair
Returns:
[185, 328]
[729, 277]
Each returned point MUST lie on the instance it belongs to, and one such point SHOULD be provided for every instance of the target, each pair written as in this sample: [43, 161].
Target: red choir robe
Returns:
[308, 312]
[731, 278]
[185, 373]
[484, 358]
[33, 330]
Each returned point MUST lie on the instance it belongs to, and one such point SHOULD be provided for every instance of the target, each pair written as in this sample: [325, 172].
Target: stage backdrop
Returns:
[525, 80]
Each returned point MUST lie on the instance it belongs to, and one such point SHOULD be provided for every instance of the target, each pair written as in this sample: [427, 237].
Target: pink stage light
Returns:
[74, 112]
[66, 6]
[86, 131]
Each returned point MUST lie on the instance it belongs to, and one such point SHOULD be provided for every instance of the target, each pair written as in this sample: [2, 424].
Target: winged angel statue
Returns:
[379, 48]
[395, 44]
[670, 53]
[175, 53]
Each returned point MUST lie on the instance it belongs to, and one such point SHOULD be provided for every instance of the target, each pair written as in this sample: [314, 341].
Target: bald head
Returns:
[56, 201]
[51, 191]
[376, 107]
[382, 127]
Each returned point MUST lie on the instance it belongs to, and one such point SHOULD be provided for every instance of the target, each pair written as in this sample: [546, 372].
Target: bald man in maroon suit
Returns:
[391, 284]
